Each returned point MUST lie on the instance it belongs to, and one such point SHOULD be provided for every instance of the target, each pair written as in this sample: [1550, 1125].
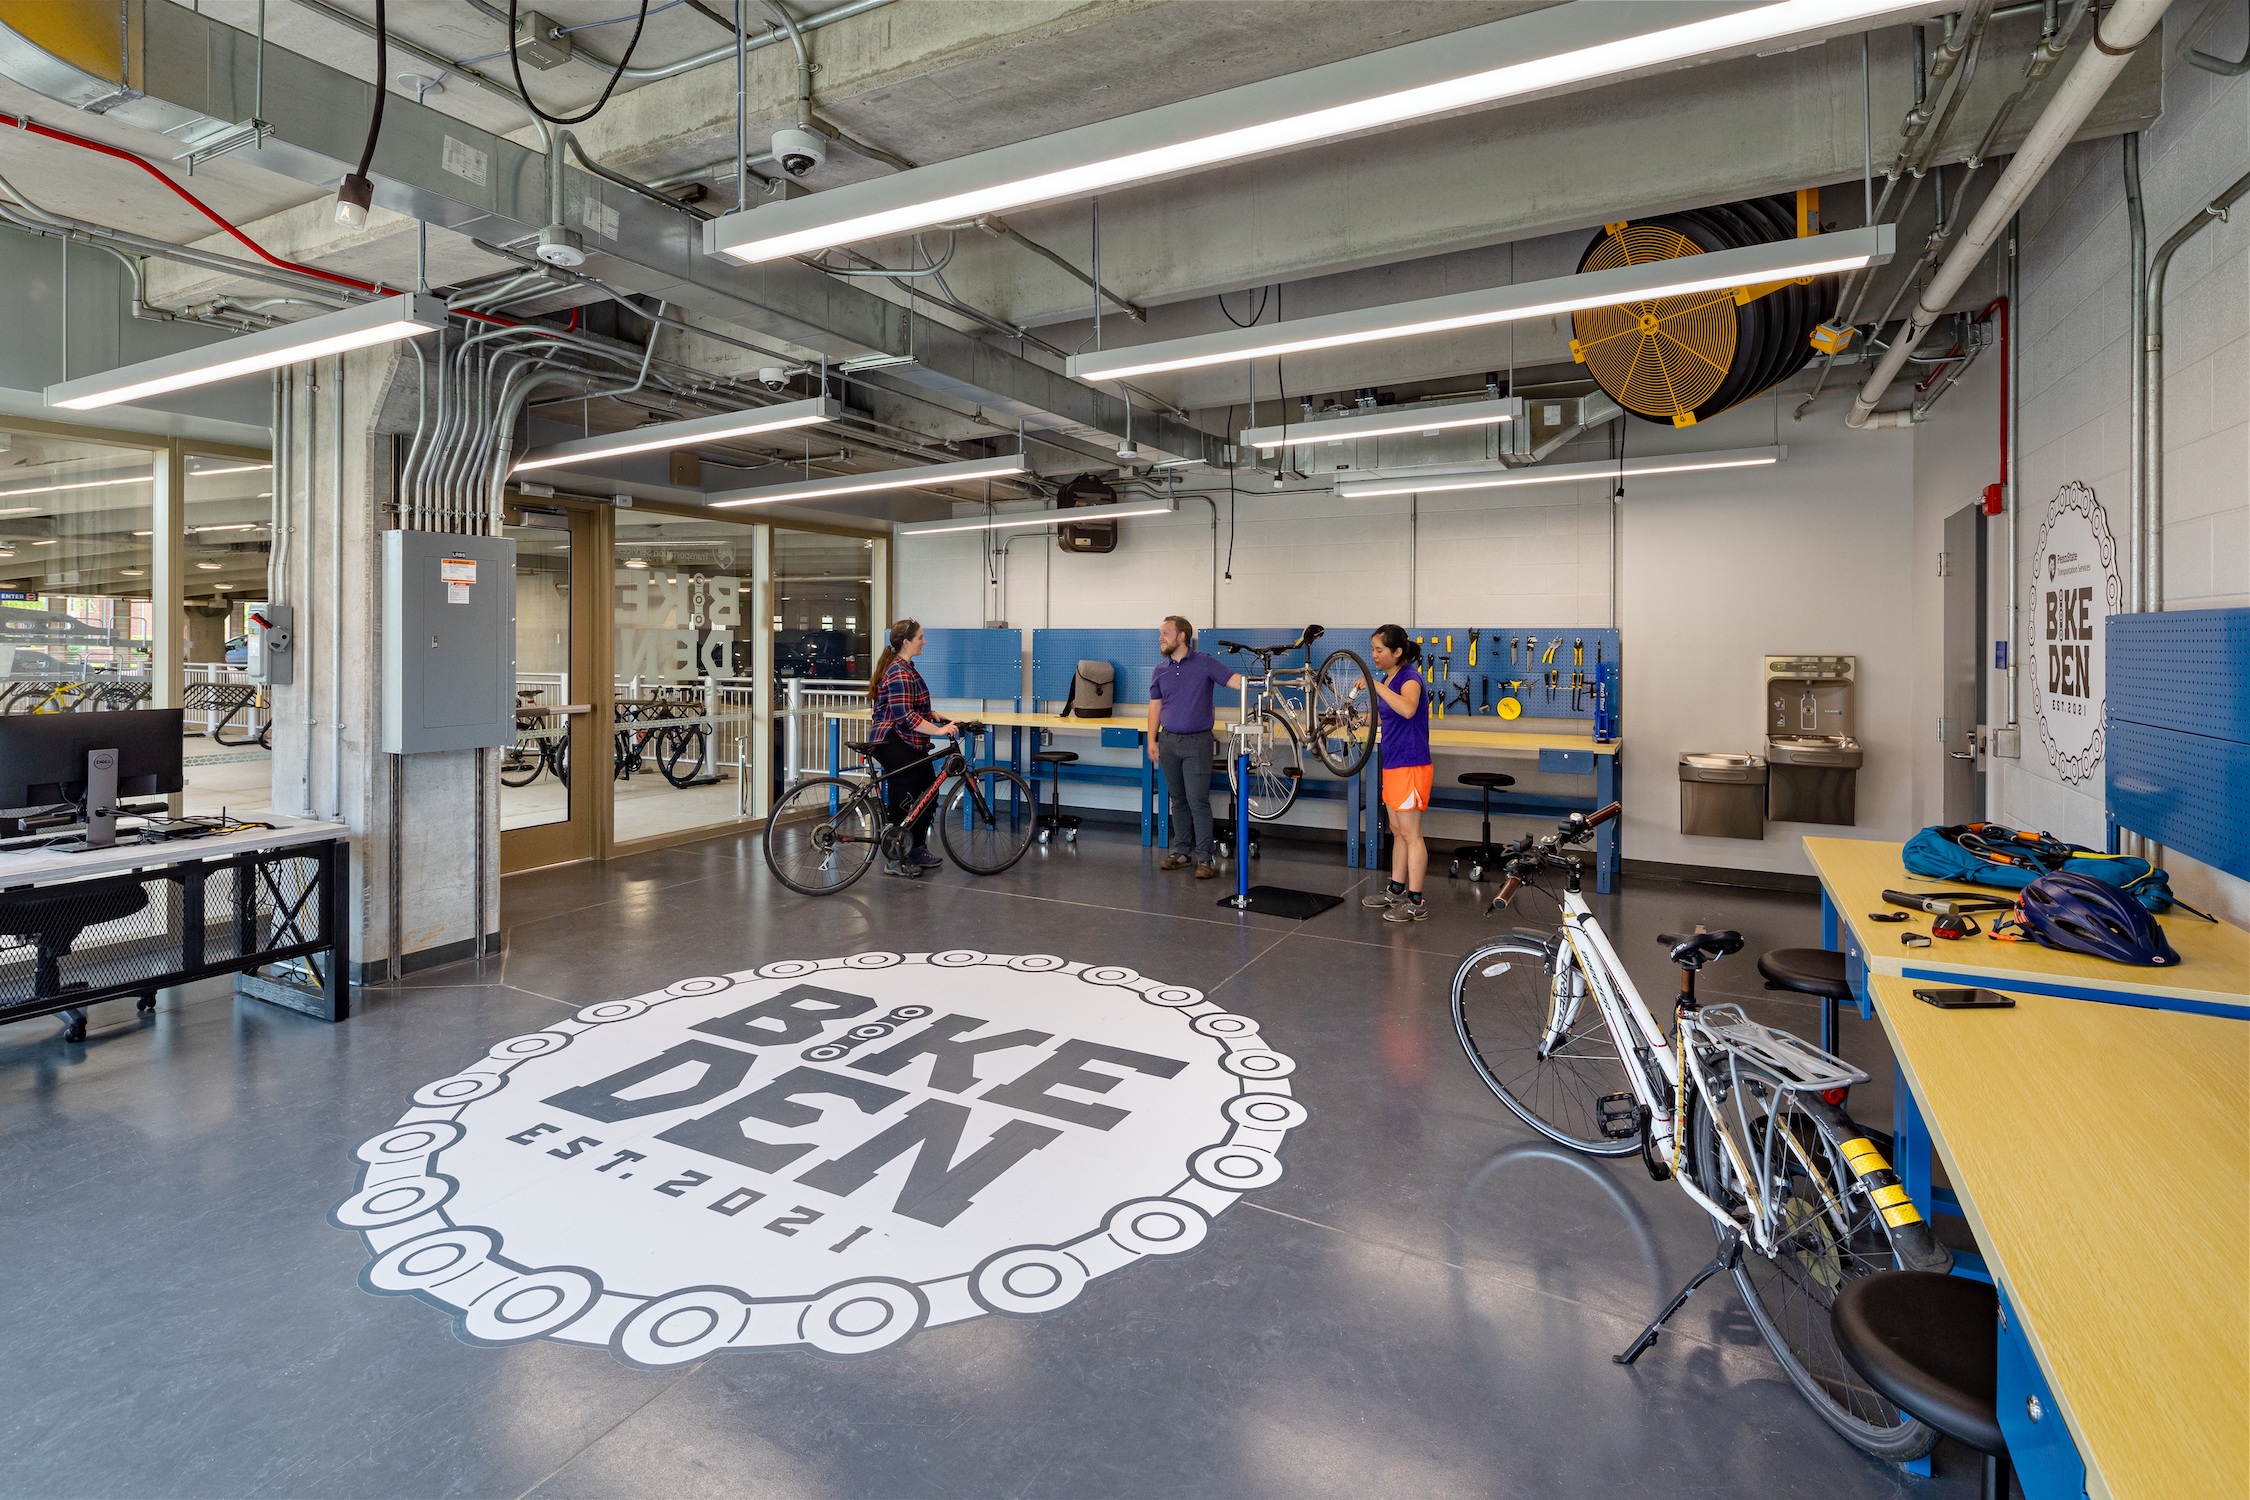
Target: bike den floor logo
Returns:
[826, 1154]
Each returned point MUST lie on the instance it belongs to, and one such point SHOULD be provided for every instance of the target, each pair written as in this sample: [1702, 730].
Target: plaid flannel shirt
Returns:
[902, 700]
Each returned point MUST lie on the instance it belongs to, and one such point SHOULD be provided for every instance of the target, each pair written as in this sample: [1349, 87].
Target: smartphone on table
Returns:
[1965, 999]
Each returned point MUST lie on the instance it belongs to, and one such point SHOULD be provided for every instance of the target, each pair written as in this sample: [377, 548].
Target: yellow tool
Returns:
[1449, 643]
[1509, 707]
[1472, 648]
[1552, 646]
[1578, 652]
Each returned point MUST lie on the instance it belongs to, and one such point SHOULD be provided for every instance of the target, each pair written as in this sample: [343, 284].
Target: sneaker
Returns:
[1174, 861]
[1207, 871]
[925, 858]
[1382, 900]
[1408, 911]
[902, 868]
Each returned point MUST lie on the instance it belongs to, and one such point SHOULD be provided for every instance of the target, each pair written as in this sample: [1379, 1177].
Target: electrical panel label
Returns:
[457, 569]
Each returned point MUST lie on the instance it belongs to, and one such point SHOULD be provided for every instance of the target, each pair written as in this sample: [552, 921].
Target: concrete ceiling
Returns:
[1502, 195]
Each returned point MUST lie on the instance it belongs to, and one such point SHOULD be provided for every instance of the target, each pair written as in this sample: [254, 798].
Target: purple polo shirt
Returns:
[1184, 688]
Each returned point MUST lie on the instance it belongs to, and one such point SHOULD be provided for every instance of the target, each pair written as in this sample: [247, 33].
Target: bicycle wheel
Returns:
[680, 754]
[1504, 1008]
[988, 819]
[520, 763]
[815, 852]
[1823, 1239]
[1276, 769]
[1342, 712]
[558, 758]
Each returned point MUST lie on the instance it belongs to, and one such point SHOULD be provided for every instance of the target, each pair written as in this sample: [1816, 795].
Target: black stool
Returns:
[1479, 856]
[1055, 818]
[1930, 1345]
[1811, 971]
[51, 920]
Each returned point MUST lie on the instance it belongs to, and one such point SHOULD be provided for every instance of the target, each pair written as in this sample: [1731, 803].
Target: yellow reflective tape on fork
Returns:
[1863, 1158]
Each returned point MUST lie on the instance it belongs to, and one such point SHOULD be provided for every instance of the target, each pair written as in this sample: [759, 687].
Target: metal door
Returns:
[1961, 566]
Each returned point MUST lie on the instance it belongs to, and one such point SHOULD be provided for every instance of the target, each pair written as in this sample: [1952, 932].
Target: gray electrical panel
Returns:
[449, 641]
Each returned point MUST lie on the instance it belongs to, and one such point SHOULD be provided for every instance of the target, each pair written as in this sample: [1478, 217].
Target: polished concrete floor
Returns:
[1425, 1305]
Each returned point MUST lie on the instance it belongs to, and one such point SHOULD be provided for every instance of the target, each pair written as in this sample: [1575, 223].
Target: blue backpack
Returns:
[2011, 858]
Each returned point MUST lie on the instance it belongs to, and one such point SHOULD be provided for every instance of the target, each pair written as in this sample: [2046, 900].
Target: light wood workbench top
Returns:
[2214, 958]
[2102, 1155]
[21, 867]
[1135, 716]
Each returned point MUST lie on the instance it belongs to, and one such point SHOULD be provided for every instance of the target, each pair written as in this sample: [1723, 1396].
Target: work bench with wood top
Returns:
[2101, 1154]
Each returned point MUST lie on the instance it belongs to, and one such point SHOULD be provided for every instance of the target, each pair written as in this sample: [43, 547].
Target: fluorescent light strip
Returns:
[379, 322]
[729, 424]
[238, 469]
[1070, 517]
[1785, 260]
[925, 476]
[1391, 422]
[1452, 480]
[87, 484]
[1560, 49]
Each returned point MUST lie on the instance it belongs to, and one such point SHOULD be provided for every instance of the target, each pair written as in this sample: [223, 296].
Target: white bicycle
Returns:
[1747, 1120]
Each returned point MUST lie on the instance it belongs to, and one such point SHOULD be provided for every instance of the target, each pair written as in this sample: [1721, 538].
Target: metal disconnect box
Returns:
[449, 641]
[1722, 796]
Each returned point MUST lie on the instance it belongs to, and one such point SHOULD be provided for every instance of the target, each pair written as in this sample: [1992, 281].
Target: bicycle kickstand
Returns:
[1724, 1260]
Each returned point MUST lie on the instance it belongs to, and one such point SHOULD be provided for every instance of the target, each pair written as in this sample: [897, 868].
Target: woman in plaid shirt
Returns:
[903, 726]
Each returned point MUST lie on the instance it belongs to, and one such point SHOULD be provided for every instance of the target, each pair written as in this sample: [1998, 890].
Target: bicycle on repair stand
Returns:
[1332, 708]
[1747, 1120]
[826, 830]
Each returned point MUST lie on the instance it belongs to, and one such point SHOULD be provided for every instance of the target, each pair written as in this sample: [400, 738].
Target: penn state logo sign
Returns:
[826, 1154]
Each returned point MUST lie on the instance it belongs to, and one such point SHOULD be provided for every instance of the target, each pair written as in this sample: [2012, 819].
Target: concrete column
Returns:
[424, 828]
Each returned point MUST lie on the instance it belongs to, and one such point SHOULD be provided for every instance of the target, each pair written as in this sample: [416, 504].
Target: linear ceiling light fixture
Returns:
[1070, 517]
[1389, 421]
[1553, 51]
[82, 484]
[378, 322]
[1439, 483]
[659, 435]
[920, 477]
[1785, 260]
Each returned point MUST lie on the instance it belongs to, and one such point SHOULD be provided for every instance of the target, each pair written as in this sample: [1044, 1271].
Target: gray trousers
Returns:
[1186, 762]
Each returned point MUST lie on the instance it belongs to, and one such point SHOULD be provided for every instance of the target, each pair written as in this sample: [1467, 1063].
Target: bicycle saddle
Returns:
[862, 747]
[1692, 950]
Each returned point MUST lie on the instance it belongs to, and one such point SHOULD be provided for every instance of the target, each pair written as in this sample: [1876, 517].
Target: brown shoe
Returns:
[1174, 861]
[1206, 871]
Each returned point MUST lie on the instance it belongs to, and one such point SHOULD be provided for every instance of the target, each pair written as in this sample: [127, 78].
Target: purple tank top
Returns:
[1406, 742]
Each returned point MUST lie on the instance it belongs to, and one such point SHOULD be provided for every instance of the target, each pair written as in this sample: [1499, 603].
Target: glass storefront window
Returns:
[535, 771]
[226, 540]
[681, 668]
[76, 617]
[823, 590]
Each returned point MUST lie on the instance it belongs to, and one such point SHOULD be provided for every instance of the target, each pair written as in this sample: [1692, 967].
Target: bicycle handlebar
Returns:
[1527, 856]
[1596, 819]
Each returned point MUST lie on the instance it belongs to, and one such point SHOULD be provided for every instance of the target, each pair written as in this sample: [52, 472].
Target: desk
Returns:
[2102, 1155]
[2213, 976]
[167, 914]
[1558, 751]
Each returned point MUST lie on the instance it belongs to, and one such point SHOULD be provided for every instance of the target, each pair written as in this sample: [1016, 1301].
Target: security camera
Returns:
[773, 377]
[799, 150]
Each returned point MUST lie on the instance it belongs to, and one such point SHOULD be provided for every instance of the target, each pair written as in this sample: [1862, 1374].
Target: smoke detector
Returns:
[560, 247]
[1128, 453]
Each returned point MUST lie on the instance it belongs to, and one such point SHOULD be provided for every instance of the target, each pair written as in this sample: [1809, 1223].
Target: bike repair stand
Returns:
[1729, 1253]
[1274, 900]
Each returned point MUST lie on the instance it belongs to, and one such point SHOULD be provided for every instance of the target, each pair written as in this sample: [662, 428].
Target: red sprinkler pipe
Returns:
[1995, 495]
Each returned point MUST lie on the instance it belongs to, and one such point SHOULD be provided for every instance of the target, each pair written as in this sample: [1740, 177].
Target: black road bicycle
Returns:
[826, 830]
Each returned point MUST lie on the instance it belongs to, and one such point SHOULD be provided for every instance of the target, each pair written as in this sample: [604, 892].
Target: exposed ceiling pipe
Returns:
[2115, 38]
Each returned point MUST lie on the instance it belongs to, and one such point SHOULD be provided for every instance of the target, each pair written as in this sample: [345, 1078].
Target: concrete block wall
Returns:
[2075, 321]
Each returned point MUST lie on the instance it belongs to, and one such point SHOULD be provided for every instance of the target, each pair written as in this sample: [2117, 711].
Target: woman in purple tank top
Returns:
[1402, 707]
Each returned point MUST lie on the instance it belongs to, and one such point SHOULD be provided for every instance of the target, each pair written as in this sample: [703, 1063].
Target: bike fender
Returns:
[1912, 1239]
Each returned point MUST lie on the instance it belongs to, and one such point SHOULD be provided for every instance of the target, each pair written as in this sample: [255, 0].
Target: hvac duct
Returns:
[2115, 37]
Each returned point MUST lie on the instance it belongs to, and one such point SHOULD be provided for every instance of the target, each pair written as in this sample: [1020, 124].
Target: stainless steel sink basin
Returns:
[1718, 761]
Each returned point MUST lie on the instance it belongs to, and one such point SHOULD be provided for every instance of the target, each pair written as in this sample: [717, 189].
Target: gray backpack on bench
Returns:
[1093, 691]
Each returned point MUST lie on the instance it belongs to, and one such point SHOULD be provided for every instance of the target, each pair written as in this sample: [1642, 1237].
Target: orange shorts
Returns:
[1407, 789]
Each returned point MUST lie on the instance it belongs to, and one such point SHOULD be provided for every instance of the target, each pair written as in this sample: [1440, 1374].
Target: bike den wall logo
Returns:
[826, 1154]
[2075, 586]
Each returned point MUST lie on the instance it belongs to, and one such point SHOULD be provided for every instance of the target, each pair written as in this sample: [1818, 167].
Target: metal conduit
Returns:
[2115, 37]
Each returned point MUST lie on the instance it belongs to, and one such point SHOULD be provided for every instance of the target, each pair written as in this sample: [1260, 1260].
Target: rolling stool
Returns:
[1479, 856]
[1811, 971]
[1055, 818]
[1930, 1345]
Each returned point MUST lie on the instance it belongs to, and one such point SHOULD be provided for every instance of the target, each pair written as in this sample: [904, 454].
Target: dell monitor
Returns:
[92, 760]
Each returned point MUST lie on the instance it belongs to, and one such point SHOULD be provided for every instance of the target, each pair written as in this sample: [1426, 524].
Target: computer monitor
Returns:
[43, 756]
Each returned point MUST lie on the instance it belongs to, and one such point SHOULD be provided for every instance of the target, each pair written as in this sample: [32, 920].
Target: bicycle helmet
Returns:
[2082, 915]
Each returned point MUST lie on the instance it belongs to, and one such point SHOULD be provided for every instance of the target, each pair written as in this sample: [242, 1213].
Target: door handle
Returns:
[1962, 754]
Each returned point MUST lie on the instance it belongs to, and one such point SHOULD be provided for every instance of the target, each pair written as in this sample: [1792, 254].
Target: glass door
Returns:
[547, 809]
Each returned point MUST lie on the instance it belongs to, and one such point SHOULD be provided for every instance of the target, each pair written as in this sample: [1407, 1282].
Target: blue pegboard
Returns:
[2187, 670]
[973, 663]
[2177, 765]
[1487, 680]
[1055, 655]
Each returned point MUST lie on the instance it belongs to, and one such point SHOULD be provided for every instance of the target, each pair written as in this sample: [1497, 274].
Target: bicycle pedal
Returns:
[1619, 1116]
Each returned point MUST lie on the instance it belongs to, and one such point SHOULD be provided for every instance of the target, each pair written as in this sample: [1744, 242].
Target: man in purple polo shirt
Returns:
[1179, 740]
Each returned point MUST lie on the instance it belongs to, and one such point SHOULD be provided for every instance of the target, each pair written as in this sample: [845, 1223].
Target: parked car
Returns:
[238, 651]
